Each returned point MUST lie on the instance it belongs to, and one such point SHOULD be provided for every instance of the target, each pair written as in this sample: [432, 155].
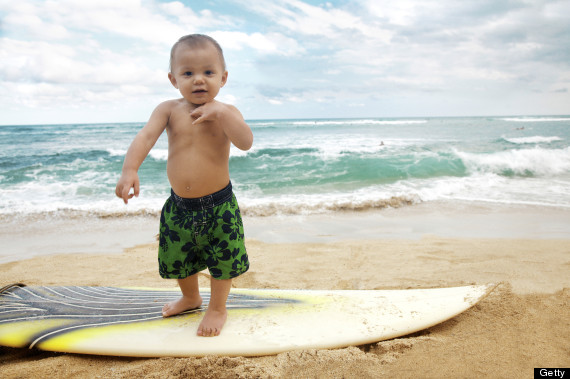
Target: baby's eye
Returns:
[188, 73]
[209, 72]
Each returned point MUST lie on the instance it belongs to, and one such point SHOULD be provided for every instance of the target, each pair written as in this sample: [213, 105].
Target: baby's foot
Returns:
[212, 323]
[181, 305]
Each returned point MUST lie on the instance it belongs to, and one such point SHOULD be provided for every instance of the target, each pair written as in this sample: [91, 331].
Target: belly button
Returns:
[187, 188]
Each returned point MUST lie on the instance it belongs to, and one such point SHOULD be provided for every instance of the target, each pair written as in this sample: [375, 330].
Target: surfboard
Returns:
[128, 321]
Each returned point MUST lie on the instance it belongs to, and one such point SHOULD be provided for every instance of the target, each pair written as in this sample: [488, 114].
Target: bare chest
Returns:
[181, 131]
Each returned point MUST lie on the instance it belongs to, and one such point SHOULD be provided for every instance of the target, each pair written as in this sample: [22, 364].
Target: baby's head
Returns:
[194, 41]
[197, 68]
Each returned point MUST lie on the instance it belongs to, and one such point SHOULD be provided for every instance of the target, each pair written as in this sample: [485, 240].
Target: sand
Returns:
[523, 324]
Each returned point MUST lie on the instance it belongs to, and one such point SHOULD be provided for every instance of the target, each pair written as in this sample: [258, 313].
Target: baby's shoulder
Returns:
[169, 105]
[176, 107]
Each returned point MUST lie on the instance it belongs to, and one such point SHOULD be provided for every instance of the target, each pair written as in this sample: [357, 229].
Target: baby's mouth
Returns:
[200, 91]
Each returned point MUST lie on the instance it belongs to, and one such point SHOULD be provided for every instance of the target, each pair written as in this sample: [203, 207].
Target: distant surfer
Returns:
[200, 223]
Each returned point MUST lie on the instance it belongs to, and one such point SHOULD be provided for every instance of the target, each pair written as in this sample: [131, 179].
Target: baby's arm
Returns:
[230, 119]
[139, 149]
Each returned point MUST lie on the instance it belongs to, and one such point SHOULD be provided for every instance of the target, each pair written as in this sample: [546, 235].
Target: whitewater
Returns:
[309, 166]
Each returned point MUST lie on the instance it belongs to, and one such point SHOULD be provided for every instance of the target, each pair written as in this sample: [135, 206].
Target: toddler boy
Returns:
[200, 223]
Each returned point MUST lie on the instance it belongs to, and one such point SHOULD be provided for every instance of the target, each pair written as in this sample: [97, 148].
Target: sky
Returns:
[93, 61]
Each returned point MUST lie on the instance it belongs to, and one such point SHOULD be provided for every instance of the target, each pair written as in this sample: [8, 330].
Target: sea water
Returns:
[302, 166]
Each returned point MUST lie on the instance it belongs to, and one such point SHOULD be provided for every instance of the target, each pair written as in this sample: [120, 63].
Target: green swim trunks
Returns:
[201, 233]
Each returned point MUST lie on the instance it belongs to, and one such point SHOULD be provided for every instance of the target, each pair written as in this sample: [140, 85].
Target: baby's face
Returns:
[198, 73]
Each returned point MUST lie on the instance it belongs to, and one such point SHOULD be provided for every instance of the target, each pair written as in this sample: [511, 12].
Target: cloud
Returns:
[150, 21]
[35, 26]
[36, 61]
[290, 54]
[47, 74]
[68, 51]
[94, 50]
[270, 43]
[407, 46]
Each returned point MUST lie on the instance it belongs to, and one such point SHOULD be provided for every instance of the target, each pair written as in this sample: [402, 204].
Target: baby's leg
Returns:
[190, 299]
[216, 314]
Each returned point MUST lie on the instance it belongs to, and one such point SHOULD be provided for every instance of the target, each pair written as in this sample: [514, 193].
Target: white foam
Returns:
[535, 119]
[117, 152]
[261, 124]
[486, 187]
[479, 187]
[333, 146]
[533, 139]
[361, 199]
[491, 188]
[235, 152]
[360, 122]
[159, 154]
[88, 190]
[537, 161]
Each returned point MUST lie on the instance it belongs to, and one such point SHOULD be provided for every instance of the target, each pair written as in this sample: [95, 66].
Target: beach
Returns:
[524, 323]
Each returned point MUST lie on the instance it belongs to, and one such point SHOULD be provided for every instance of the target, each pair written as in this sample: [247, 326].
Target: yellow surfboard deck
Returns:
[128, 321]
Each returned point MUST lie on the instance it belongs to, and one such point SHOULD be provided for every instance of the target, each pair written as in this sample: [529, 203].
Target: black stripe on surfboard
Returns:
[7, 287]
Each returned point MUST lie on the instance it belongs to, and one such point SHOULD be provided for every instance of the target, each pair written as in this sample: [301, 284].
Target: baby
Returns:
[200, 223]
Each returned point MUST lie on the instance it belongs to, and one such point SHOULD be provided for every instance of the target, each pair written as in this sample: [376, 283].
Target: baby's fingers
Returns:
[125, 195]
[198, 120]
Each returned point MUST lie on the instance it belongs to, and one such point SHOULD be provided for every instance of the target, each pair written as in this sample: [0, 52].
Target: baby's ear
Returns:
[224, 78]
[172, 80]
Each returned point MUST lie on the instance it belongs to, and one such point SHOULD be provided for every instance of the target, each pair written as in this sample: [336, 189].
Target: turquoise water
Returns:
[303, 166]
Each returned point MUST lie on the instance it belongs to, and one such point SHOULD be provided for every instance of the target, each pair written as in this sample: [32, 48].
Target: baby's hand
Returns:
[207, 112]
[124, 185]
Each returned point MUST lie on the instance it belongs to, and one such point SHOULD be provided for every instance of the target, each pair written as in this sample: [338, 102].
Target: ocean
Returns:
[302, 167]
